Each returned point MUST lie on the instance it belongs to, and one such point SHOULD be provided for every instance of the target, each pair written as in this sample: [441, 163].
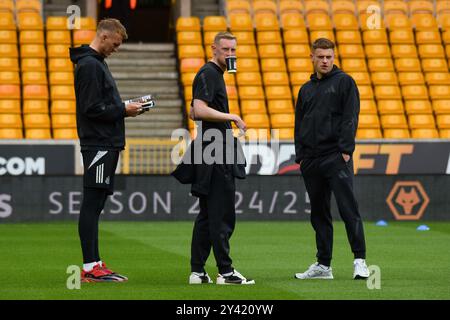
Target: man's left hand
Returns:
[346, 157]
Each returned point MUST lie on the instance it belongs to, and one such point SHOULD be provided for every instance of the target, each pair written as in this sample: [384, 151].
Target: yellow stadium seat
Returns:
[191, 64]
[8, 50]
[190, 51]
[299, 78]
[365, 133]
[268, 37]
[35, 106]
[32, 51]
[398, 21]
[441, 106]
[61, 78]
[395, 133]
[248, 65]
[423, 21]
[59, 37]
[377, 51]
[187, 93]
[60, 65]
[431, 51]
[232, 92]
[295, 36]
[83, 37]
[35, 92]
[31, 37]
[401, 36]
[208, 37]
[395, 7]
[237, 6]
[64, 121]
[437, 78]
[365, 92]
[390, 106]
[418, 106]
[368, 106]
[187, 78]
[251, 93]
[9, 77]
[282, 120]
[246, 51]
[257, 120]
[343, 6]
[10, 120]
[62, 92]
[316, 6]
[351, 51]
[188, 24]
[264, 6]
[28, 5]
[11, 133]
[387, 92]
[38, 133]
[319, 21]
[283, 133]
[88, 23]
[300, 64]
[421, 7]
[368, 121]
[348, 36]
[444, 20]
[65, 134]
[58, 51]
[214, 23]
[345, 21]
[404, 51]
[381, 64]
[428, 133]
[266, 22]
[275, 78]
[428, 36]
[33, 64]
[421, 121]
[7, 21]
[410, 78]
[443, 134]
[189, 37]
[63, 106]
[249, 78]
[291, 6]
[415, 92]
[8, 36]
[272, 51]
[240, 22]
[297, 51]
[375, 37]
[253, 106]
[29, 21]
[10, 106]
[34, 77]
[361, 78]
[9, 91]
[394, 121]
[280, 106]
[233, 106]
[244, 37]
[440, 92]
[316, 34]
[292, 21]
[358, 65]
[407, 65]
[56, 23]
[434, 65]
[278, 92]
[384, 78]
[9, 64]
[36, 120]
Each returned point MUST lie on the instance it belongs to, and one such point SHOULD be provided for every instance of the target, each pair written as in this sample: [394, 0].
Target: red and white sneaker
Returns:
[112, 273]
[97, 274]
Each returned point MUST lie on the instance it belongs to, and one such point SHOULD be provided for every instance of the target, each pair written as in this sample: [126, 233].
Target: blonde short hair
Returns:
[223, 35]
[112, 25]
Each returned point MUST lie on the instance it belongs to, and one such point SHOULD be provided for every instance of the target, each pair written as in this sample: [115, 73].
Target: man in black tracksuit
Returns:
[101, 129]
[326, 120]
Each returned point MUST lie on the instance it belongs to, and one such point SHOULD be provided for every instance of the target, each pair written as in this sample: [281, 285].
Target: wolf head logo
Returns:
[408, 200]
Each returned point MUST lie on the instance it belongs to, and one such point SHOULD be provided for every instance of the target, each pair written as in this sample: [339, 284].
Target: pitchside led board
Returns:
[394, 181]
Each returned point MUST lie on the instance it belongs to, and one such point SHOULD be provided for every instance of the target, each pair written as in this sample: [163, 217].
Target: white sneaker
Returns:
[316, 271]
[199, 278]
[360, 270]
[234, 278]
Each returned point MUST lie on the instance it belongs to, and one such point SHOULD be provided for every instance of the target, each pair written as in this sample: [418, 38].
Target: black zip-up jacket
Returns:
[326, 115]
[100, 110]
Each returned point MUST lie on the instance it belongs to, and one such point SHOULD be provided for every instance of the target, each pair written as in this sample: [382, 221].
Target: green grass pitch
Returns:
[155, 257]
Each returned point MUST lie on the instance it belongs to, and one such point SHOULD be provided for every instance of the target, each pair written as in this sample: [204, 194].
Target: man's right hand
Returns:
[239, 123]
[133, 109]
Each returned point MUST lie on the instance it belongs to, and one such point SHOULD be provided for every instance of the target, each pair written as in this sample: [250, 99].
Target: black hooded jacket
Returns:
[100, 110]
[326, 115]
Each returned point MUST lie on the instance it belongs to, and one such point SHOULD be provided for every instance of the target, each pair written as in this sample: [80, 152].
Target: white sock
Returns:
[89, 266]
[359, 260]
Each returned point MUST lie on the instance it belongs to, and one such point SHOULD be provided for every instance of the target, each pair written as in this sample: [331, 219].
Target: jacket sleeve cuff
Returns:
[124, 110]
